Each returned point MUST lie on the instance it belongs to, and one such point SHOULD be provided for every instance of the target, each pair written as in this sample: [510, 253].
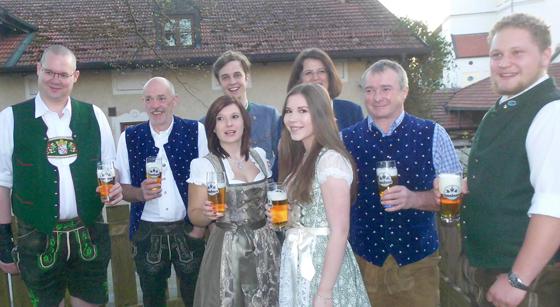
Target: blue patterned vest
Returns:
[407, 235]
[181, 149]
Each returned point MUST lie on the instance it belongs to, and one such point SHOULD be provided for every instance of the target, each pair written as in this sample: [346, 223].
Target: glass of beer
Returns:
[216, 185]
[154, 169]
[278, 199]
[387, 175]
[451, 196]
[105, 179]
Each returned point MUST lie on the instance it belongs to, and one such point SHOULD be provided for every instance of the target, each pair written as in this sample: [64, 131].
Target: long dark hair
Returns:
[325, 131]
[210, 124]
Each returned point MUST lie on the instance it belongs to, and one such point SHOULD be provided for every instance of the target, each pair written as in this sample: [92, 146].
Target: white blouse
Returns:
[201, 166]
[333, 164]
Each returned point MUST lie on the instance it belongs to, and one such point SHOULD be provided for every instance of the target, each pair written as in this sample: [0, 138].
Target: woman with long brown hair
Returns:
[241, 260]
[318, 267]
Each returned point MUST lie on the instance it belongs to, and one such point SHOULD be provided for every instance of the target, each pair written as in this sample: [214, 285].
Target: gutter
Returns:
[373, 53]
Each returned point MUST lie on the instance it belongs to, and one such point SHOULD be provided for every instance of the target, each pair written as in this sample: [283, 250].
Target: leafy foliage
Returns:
[425, 72]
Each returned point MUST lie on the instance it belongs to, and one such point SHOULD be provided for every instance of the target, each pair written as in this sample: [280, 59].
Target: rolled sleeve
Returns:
[444, 155]
[121, 164]
[543, 152]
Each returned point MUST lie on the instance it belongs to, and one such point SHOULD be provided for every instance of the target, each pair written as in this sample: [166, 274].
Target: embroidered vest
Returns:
[495, 213]
[35, 198]
[181, 149]
[407, 235]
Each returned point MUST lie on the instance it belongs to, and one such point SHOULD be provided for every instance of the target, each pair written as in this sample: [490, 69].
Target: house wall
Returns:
[195, 87]
[478, 16]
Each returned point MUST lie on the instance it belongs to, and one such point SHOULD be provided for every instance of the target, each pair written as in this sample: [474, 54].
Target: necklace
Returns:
[238, 163]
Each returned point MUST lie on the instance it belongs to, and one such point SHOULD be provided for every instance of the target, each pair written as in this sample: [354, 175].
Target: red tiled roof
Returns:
[480, 96]
[123, 32]
[450, 120]
[470, 45]
[9, 44]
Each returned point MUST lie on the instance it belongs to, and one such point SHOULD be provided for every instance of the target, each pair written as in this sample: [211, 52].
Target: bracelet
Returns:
[326, 298]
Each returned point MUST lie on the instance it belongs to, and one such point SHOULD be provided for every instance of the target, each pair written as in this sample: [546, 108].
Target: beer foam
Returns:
[389, 171]
[276, 195]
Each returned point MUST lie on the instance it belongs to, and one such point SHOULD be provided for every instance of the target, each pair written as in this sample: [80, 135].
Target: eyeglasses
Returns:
[51, 74]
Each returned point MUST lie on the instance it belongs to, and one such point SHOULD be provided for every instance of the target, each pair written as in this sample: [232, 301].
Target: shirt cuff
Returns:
[545, 204]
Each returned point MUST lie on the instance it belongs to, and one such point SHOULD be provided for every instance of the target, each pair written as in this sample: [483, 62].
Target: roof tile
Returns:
[124, 31]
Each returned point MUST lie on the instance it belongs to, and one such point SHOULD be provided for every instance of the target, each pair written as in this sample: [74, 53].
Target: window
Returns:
[177, 23]
[178, 31]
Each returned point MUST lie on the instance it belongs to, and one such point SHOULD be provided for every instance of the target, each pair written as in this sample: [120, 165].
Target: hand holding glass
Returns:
[216, 185]
[105, 179]
[387, 175]
[154, 169]
[451, 196]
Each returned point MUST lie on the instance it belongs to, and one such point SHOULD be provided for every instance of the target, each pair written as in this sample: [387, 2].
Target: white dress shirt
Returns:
[543, 152]
[170, 206]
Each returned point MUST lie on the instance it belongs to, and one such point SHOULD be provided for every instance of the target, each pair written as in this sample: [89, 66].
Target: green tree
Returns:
[425, 72]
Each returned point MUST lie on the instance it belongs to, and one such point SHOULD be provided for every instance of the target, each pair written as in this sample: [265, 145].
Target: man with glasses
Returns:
[160, 231]
[50, 146]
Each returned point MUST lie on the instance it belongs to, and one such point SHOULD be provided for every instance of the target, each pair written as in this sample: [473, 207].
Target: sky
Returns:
[432, 12]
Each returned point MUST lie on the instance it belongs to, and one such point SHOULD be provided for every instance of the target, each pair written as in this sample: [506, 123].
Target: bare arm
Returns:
[400, 197]
[6, 218]
[200, 212]
[5, 206]
[541, 243]
[336, 197]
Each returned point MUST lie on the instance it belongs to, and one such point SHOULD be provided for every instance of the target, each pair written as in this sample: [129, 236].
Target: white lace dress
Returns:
[304, 248]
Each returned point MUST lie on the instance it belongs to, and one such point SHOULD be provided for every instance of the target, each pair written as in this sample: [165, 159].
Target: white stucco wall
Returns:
[194, 85]
[478, 16]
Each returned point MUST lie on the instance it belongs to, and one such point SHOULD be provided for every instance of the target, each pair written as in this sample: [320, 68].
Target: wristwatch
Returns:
[516, 282]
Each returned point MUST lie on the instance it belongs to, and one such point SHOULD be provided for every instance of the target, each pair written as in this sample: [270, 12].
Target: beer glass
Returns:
[451, 196]
[278, 199]
[387, 175]
[105, 179]
[216, 185]
[154, 169]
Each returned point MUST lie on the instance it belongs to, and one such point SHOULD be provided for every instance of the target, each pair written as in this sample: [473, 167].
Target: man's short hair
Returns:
[167, 83]
[58, 50]
[382, 65]
[227, 57]
[539, 31]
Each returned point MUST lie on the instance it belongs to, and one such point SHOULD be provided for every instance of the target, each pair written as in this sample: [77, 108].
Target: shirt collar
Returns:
[42, 109]
[394, 125]
[163, 133]
[541, 79]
